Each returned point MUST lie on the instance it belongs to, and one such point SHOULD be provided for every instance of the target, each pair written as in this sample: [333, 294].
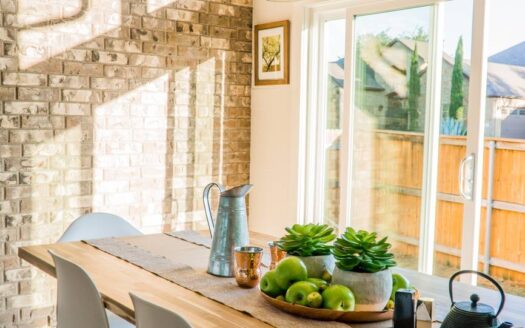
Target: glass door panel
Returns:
[332, 100]
[502, 245]
[455, 56]
[388, 110]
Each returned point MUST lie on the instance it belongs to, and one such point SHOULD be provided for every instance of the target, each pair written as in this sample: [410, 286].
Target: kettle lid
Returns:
[474, 307]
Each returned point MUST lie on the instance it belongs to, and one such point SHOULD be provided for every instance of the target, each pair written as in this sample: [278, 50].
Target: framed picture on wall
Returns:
[272, 57]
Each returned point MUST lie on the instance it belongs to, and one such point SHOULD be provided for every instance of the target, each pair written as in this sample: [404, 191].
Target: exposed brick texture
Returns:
[124, 106]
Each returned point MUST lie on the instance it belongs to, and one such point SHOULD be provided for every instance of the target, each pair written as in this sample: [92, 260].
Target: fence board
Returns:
[396, 162]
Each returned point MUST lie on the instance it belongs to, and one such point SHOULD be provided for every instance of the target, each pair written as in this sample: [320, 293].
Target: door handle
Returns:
[466, 181]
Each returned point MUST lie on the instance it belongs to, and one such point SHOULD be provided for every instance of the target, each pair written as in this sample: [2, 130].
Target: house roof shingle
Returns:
[504, 79]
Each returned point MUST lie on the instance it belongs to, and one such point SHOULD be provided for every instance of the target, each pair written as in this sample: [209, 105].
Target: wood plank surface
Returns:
[115, 278]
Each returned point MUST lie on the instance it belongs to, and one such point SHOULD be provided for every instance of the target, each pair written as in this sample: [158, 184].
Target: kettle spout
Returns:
[238, 191]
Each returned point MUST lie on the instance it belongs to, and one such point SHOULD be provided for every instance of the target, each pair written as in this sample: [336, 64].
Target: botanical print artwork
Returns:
[271, 53]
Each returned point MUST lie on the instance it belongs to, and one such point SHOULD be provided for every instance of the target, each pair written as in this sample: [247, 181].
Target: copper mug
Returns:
[248, 265]
[276, 253]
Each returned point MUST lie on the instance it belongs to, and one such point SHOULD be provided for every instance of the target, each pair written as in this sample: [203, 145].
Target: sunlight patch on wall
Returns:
[56, 172]
[205, 148]
[154, 5]
[194, 136]
[48, 28]
[130, 154]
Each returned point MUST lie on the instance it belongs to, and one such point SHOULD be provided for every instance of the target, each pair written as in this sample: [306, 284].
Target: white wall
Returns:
[275, 133]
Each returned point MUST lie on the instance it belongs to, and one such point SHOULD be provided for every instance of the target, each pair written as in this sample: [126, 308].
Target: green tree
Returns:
[456, 88]
[334, 101]
[418, 34]
[414, 92]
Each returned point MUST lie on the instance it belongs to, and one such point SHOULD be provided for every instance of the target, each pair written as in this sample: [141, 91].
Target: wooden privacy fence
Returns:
[395, 176]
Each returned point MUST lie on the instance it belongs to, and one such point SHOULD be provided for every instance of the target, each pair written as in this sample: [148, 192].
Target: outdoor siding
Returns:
[118, 106]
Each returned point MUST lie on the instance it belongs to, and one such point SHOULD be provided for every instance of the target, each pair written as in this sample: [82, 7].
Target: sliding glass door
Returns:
[387, 125]
[502, 246]
[405, 133]
[455, 59]
[420, 122]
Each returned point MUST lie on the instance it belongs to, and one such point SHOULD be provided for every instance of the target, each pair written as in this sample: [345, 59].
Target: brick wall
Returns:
[124, 106]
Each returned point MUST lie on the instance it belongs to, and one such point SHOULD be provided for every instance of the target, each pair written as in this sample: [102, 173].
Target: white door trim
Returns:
[476, 133]
[427, 225]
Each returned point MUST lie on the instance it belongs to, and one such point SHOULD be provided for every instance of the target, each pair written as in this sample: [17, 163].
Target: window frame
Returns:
[317, 114]
[316, 118]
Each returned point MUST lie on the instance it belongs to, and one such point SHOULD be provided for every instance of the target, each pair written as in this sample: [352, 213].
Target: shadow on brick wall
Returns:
[114, 108]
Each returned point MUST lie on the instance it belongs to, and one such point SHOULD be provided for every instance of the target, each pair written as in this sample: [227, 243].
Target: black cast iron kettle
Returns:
[473, 314]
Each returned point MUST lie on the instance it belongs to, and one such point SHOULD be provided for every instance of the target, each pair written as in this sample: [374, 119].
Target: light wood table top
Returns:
[115, 278]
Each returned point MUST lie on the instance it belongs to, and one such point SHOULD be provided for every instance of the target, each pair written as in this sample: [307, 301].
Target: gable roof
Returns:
[336, 71]
[511, 56]
[503, 80]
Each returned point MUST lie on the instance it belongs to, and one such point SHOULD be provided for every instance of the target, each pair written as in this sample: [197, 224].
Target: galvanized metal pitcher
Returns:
[229, 230]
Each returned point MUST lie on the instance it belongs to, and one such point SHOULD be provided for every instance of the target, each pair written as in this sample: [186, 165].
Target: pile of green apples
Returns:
[289, 282]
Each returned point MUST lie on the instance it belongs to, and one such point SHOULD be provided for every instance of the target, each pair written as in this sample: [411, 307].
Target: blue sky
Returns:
[506, 26]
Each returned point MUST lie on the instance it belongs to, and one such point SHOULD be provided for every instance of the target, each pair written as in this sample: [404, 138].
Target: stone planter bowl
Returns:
[371, 290]
[318, 264]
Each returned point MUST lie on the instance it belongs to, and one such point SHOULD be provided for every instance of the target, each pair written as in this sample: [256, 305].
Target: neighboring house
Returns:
[383, 93]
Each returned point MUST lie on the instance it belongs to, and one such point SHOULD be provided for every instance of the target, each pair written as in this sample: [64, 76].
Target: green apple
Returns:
[290, 270]
[339, 298]
[299, 291]
[314, 300]
[269, 284]
[320, 283]
[398, 282]
[389, 305]
[281, 298]
[326, 276]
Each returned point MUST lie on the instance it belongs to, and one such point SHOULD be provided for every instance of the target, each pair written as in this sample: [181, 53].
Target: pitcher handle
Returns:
[207, 208]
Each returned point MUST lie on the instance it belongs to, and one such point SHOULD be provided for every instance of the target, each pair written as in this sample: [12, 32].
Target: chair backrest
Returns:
[148, 315]
[98, 225]
[79, 303]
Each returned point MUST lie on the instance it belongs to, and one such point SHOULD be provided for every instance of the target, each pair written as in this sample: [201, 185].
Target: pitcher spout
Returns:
[239, 191]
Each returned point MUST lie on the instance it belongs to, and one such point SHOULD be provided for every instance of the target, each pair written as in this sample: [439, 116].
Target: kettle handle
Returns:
[489, 278]
[207, 208]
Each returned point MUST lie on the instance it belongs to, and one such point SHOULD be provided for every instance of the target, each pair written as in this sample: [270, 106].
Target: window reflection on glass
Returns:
[388, 106]
[334, 38]
[457, 34]
[504, 171]
[388, 110]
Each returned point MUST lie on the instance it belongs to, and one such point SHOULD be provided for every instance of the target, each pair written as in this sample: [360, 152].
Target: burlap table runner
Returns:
[182, 258]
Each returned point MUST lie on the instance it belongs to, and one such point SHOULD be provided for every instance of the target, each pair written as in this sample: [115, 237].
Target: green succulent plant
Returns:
[361, 252]
[307, 240]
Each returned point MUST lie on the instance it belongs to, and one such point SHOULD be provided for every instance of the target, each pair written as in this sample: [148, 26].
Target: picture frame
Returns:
[272, 53]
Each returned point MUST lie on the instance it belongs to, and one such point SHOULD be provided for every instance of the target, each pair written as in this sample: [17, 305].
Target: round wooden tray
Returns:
[329, 315]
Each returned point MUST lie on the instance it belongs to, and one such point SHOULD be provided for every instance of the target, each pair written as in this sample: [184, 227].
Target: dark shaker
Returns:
[405, 309]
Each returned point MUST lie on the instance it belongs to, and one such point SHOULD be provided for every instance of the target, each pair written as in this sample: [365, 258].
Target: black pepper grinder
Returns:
[405, 309]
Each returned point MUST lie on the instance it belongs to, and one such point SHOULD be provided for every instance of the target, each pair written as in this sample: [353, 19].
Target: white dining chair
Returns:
[150, 315]
[98, 225]
[79, 304]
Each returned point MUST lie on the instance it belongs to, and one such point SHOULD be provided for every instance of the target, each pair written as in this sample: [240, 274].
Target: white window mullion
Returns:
[321, 126]
[431, 142]
[345, 157]
[475, 136]
[311, 136]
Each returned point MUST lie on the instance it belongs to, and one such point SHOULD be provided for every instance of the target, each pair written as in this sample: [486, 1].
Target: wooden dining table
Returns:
[115, 278]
